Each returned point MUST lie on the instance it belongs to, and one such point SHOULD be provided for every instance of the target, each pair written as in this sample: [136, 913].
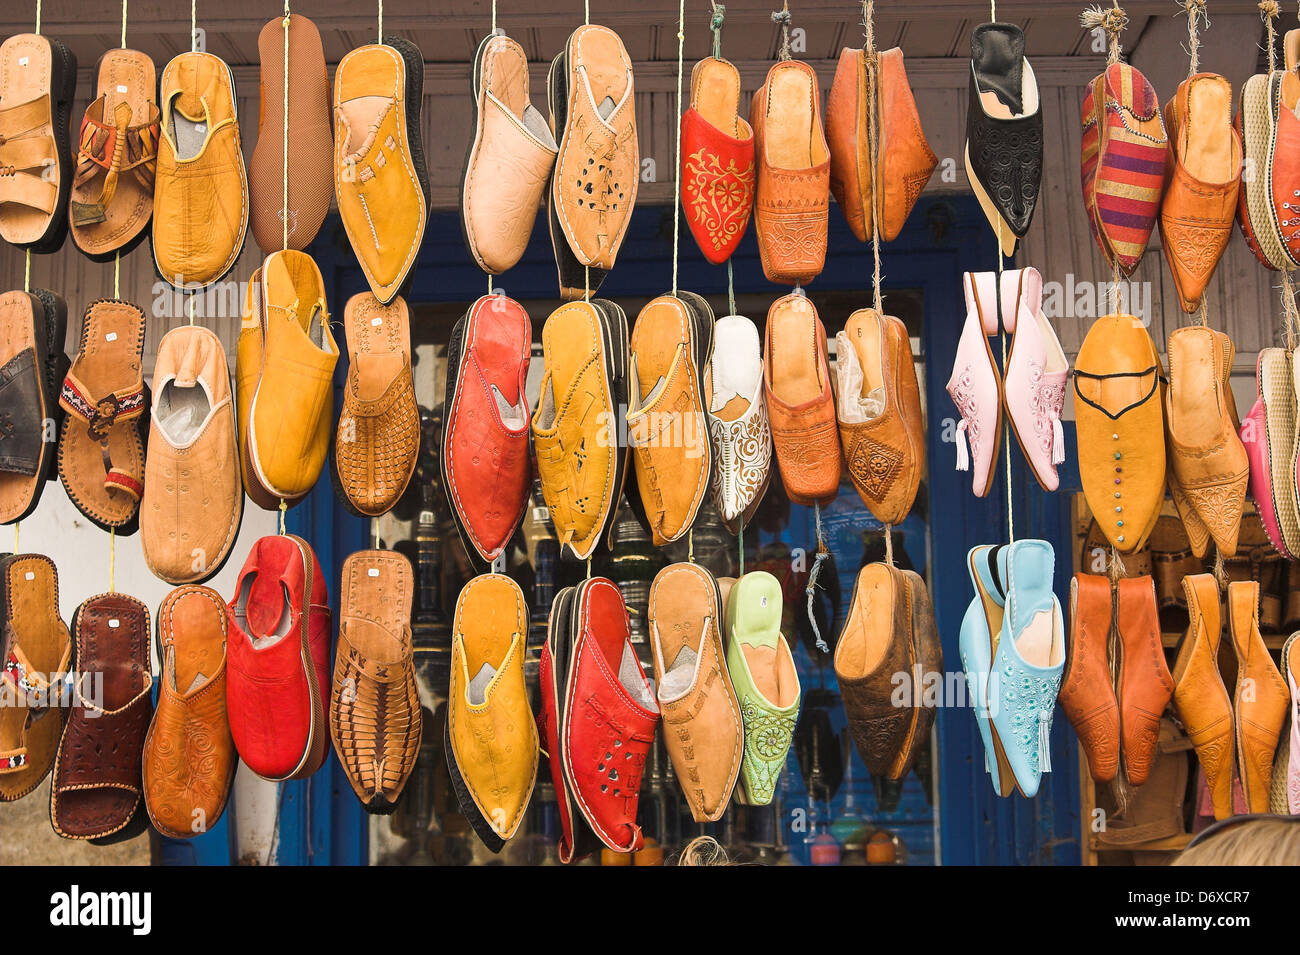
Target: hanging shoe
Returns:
[800, 401]
[1291, 666]
[1200, 201]
[738, 423]
[33, 327]
[1087, 695]
[976, 384]
[1145, 686]
[1118, 408]
[1261, 700]
[38, 82]
[792, 203]
[879, 413]
[594, 185]
[1269, 436]
[1004, 131]
[1037, 372]
[1208, 457]
[1283, 164]
[1028, 662]
[717, 173]
[117, 158]
[1123, 167]
[510, 160]
[1200, 697]
[1257, 124]
[980, 629]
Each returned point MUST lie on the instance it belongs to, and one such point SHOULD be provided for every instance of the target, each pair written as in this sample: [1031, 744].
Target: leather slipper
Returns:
[98, 787]
[25, 454]
[717, 160]
[672, 345]
[117, 158]
[37, 659]
[310, 172]
[378, 436]
[38, 80]
[375, 720]
[101, 448]
[597, 169]
[509, 160]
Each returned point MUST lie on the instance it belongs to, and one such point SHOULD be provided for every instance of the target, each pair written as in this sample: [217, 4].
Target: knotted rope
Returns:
[1113, 22]
[782, 18]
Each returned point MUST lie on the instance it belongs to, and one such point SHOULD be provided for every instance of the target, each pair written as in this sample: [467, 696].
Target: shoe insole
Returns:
[505, 74]
[181, 411]
[1210, 152]
[1195, 413]
[1037, 642]
[864, 332]
[715, 94]
[660, 339]
[26, 74]
[491, 621]
[198, 638]
[683, 600]
[792, 351]
[870, 627]
[772, 670]
[605, 73]
[570, 339]
[379, 343]
[633, 679]
[788, 133]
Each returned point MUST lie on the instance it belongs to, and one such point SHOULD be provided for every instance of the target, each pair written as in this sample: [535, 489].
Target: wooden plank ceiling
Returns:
[450, 31]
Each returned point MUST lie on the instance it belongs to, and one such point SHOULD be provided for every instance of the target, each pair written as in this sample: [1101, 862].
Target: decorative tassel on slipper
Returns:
[963, 456]
[1058, 442]
[1045, 740]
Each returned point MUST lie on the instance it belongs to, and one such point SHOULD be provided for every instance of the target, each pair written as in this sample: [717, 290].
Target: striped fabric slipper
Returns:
[1124, 156]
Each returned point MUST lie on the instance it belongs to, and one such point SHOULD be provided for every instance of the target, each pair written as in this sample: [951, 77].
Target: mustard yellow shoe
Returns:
[284, 368]
[491, 739]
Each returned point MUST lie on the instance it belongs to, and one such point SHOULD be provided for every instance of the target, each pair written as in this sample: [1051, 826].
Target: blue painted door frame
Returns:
[321, 821]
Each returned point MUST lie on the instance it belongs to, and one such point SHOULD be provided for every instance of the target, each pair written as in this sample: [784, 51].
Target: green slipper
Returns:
[766, 682]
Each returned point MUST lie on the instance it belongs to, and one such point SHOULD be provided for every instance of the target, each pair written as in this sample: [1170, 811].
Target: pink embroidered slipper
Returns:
[1036, 374]
[976, 386]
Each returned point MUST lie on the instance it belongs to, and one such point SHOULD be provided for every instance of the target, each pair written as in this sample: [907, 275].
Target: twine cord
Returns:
[715, 27]
[1006, 425]
[38, 17]
[1290, 315]
[284, 208]
[27, 273]
[124, 24]
[677, 164]
[1195, 11]
[17, 524]
[381, 22]
[194, 26]
[112, 560]
[1268, 12]
[586, 18]
[283, 508]
[873, 72]
[740, 541]
[190, 306]
[494, 16]
[782, 17]
[1112, 22]
[117, 275]
[731, 288]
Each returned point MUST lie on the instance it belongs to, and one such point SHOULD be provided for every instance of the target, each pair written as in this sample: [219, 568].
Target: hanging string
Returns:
[740, 541]
[27, 273]
[1006, 425]
[690, 546]
[589, 567]
[194, 26]
[190, 306]
[586, 18]
[677, 162]
[889, 544]
[1112, 21]
[112, 560]
[38, 17]
[1204, 317]
[494, 17]
[873, 72]
[1195, 10]
[731, 289]
[1290, 314]
[381, 22]
[993, 10]
[782, 17]
[586, 283]
[822, 554]
[17, 524]
[283, 508]
[715, 27]
[124, 24]
[1268, 12]
[117, 275]
[284, 209]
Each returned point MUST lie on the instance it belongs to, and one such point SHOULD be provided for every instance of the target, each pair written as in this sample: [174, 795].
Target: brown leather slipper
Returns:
[311, 175]
[101, 449]
[24, 404]
[38, 654]
[117, 157]
[98, 785]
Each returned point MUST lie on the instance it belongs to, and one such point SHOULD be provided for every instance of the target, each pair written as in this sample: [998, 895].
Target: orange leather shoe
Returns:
[793, 194]
[189, 754]
[1206, 452]
[1118, 407]
[1087, 695]
[879, 413]
[1261, 699]
[1199, 694]
[1204, 174]
[800, 404]
[1145, 686]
